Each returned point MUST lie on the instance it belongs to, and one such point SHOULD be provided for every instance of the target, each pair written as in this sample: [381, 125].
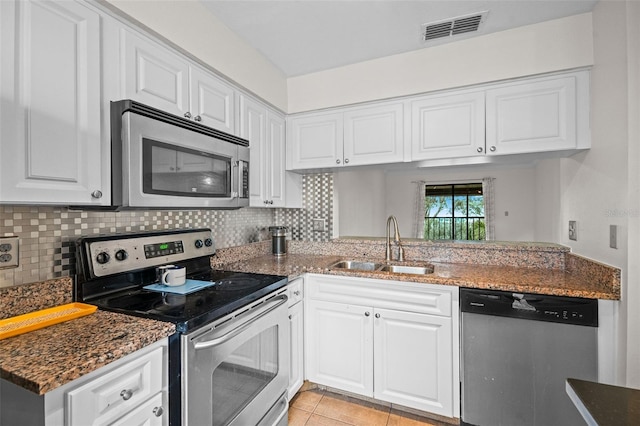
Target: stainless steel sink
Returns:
[402, 269]
[356, 265]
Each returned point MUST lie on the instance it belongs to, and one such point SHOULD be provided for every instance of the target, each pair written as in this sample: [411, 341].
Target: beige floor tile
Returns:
[317, 420]
[400, 418]
[298, 417]
[308, 400]
[352, 411]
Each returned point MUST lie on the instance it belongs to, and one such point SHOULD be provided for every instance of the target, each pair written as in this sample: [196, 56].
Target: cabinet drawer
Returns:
[152, 413]
[402, 296]
[294, 291]
[107, 397]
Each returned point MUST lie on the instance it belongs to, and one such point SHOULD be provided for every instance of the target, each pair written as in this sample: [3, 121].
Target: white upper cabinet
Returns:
[212, 101]
[374, 135]
[154, 75]
[314, 141]
[545, 114]
[50, 84]
[449, 125]
[350, 137]
[269, 184]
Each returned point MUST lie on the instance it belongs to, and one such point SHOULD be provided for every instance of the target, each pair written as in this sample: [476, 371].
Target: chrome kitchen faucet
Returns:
[396, 238]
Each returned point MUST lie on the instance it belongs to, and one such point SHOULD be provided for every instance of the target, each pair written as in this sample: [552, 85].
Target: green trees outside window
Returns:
[454, 212]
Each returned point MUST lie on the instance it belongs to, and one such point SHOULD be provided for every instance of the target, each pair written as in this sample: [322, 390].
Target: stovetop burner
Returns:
[123, 290]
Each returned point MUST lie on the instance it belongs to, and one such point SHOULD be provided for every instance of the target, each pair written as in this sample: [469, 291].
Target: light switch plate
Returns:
[9, 253]
[613, 236]
[573, 230]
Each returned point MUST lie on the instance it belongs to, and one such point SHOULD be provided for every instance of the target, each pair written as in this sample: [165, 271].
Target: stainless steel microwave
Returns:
[160, 160]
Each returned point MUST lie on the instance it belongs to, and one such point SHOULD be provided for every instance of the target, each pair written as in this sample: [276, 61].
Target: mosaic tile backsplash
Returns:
[48, 234]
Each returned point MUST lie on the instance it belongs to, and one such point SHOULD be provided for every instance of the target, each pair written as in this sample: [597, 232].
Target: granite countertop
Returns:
[605, 405]
[45, 359]
[557, 282]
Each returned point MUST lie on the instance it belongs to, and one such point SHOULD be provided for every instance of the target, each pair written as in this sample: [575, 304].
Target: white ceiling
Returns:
[305, 36]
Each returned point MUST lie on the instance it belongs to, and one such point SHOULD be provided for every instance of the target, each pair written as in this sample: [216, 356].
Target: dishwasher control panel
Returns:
[537, 307]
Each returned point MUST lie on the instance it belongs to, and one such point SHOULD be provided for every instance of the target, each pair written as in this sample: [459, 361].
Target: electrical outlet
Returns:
[8, 252]
[573, 230]
[613, 236]
[318, 225]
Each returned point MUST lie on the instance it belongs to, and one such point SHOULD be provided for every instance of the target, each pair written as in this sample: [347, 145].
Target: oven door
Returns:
[165, 165]
[237, 373]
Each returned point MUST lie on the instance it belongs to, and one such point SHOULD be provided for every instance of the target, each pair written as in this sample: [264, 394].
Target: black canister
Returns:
[278, 240]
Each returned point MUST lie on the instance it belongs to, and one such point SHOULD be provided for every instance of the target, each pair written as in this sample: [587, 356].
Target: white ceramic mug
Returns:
[172, 275]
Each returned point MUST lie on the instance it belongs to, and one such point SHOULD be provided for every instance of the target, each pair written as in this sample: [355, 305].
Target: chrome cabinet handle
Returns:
[96, 194]
[338, 161]
[197, 118]
[158, 411]
[480, 149]
[126, 394]
[296, 293]
[377, 315]
[270, 201]
[366, 314]
[187, 114]
[492, 149]
[346, 161]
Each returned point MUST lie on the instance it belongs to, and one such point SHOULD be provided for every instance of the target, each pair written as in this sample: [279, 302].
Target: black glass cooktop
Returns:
[230, 291]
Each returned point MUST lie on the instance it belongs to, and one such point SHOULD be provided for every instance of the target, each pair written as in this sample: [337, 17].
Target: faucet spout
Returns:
[392, 220]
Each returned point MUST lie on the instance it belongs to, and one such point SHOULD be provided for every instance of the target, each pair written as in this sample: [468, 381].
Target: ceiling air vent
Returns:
[453, 26]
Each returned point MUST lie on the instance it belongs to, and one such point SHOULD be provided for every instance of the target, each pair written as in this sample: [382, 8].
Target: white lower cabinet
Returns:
[392, 341]
[132, 390]
[296, 333]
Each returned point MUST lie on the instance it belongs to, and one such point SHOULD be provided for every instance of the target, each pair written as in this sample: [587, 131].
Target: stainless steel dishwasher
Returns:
[517, 350]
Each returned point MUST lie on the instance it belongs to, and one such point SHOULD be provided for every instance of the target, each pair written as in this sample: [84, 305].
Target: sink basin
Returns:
[356, 265]
[401, 269]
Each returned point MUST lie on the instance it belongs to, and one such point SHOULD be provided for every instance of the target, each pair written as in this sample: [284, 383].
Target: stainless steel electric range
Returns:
[228, 362]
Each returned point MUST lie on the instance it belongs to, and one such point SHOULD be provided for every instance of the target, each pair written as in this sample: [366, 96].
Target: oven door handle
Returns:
[270, 306]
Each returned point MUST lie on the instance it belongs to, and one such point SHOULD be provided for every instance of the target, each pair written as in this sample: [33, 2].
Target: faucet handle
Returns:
[400, 253]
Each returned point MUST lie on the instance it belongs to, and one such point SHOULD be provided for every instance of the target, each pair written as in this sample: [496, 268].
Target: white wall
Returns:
[361, 202]
[188, 24]
[514, 193]
[593, 187]
[633, 276]
[549, 46]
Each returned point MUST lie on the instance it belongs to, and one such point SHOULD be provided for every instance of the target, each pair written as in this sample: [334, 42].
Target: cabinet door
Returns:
[532, 117]
[153, 75]
[447, 126]
[212, 101]
[374, 135]
[50, 135]
[296, 356]
[275, 161]
[413, 360]
[253, 117]
[339, 346]
[315, 141]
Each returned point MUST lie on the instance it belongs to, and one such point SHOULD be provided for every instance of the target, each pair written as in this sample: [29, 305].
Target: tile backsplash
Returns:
[48, 234]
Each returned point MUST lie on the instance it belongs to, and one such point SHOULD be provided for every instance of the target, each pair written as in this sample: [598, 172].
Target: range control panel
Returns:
[124, 253]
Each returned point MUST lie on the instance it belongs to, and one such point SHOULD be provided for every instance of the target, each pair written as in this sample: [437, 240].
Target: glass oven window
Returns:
[245, 372]
[173, 170]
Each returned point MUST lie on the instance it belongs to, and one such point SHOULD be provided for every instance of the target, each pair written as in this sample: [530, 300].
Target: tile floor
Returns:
[316, 407]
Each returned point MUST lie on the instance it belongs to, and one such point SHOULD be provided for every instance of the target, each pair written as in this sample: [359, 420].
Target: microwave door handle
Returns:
[270, 307]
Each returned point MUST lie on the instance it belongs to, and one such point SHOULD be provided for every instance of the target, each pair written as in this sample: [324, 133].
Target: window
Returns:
[454, 212]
